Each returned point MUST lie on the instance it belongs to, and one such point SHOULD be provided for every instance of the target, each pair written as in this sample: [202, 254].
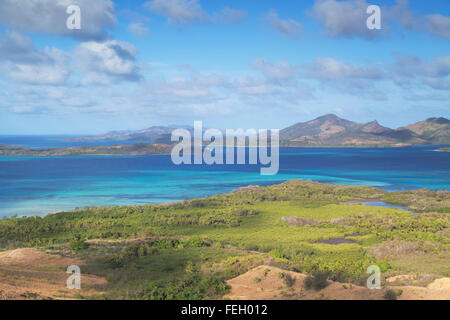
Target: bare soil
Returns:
[265, 283]
[29, 274]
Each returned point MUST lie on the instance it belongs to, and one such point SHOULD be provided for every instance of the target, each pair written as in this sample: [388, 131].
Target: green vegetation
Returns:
[434, 130]
[77, 245]
[392, 295]
[317, 281]
[288, 279]
[188, 249]
[134, 150]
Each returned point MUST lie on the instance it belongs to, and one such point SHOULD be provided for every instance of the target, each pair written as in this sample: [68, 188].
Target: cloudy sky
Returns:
[230, 63]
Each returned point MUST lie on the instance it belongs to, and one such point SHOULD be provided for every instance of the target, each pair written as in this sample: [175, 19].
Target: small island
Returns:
[443, 149]
[126, 150]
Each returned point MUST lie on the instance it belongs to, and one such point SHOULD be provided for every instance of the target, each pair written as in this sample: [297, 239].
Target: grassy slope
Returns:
[214, 239]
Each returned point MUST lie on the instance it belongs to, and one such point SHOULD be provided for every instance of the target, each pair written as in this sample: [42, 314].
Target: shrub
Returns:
[131, 253]
[195, 242]
[194, 287]
[77, 245]
[288, 279]
[317, 281]
[390, 295]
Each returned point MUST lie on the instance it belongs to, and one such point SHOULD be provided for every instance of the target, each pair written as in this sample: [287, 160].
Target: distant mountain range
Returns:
[155, 134]
[328, 130]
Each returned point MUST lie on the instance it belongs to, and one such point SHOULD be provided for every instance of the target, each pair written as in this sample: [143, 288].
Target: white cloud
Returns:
[23, 62]
[433, 73]
[288, 27]
[438, 84]
[229, 15]
[348, 19]
[19, 48]
[438, 25]
[182, 87]
[345, 78]
[400, 14]
[138, 29]
[36, 74]
[251, 86]
[213, 80]
[411, 66]
[189, 11]
[177, 11]
[327, 68]
[112, 59]
[344, 18]
[178, 89]
[440, 66]
[49, 16]
[23, 109]
[426, 97]
[281, 71]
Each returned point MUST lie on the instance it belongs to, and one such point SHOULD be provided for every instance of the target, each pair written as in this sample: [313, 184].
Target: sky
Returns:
[231, 64]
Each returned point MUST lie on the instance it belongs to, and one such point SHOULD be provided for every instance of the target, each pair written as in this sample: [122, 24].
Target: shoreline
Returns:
[160, 149]
[246, 188]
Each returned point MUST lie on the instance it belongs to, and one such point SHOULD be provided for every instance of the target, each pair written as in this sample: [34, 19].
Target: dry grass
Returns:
[273, 287]
[298, 222]
[29, 274]
[396, 248]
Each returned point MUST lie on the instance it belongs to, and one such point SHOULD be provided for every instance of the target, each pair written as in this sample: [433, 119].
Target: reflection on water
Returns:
[381, 204]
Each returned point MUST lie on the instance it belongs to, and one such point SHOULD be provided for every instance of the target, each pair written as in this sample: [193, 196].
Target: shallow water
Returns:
[41, 185]
[381, 204]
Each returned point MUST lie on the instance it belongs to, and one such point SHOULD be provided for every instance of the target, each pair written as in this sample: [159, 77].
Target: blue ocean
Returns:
[42, 185]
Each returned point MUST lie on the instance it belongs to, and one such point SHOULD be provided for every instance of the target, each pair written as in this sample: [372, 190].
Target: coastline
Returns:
[299, 225]
[383, 196]
[150, 184]
[141, 149]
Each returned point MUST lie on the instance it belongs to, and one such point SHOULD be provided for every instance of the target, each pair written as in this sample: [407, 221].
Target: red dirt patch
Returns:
[265, 283]
[29, 274]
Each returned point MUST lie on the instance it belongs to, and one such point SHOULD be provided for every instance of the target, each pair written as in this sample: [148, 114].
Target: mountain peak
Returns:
[374, 127]
[440, 120]
[323, 126]
[434, 130]
[330, 117]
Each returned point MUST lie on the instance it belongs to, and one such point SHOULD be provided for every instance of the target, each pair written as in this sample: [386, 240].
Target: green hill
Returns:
[330, 130]
[433, 130]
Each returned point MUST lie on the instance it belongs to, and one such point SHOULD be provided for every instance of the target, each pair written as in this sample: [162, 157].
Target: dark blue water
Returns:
[36, 185]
